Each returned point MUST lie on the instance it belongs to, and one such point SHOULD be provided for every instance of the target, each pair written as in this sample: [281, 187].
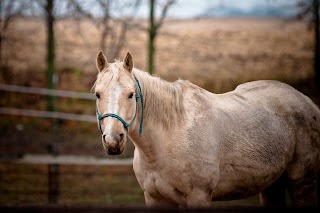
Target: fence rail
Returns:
[51, 175]
[63, 178]
[70, 160]
[47, 114]
[44, 91]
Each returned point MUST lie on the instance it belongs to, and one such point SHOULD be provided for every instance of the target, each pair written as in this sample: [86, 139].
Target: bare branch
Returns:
[79, 9]
[164, 11]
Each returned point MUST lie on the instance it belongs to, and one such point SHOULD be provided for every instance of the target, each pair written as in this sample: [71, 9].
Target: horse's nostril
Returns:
[104, 138]
[121, 135]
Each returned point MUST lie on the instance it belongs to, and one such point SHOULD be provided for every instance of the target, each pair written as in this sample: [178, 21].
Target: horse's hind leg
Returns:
[302, 175]
[302, 187]
[303, 191]
[304, 167]
[274, 195]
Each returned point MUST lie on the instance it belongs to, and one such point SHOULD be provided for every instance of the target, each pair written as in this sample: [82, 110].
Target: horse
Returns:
[194, 147]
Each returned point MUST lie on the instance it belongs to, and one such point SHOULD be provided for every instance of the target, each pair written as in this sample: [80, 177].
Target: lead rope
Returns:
[142, 107]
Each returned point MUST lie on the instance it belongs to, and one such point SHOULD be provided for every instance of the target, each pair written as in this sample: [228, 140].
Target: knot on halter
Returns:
[125, 124]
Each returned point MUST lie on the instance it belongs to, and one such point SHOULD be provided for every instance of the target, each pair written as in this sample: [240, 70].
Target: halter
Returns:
[125, 124]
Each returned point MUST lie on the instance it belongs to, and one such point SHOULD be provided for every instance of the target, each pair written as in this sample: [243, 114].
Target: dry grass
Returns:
[216, 54]
[220, 54]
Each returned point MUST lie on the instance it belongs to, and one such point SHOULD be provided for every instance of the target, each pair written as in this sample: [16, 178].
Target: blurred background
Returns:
[50, 148]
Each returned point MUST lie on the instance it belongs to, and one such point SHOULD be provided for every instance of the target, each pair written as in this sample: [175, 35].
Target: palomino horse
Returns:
[193, 147]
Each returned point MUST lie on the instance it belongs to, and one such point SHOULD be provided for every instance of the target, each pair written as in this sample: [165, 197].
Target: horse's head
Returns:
[116, 91]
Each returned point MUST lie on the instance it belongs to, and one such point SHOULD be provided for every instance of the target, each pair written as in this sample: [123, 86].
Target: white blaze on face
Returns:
[113, 107]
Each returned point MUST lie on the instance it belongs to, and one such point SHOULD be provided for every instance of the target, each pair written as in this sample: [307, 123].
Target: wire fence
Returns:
[57, 179]
[54, 179]
[47, 114]
[44, 91]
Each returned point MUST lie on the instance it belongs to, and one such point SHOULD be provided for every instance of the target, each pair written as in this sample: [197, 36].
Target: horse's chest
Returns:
[159, 185]
[154, 184]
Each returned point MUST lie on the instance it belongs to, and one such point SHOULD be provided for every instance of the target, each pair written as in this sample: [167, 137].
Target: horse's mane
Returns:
[163, 100]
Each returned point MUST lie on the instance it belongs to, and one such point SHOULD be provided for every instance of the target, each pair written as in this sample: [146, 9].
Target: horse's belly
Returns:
[241, 182]
[254, 157]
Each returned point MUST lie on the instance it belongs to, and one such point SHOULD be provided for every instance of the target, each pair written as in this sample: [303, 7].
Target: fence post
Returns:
[53, 177]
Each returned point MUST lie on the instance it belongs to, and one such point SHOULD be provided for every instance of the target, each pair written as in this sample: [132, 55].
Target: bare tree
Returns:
[48, 9]
[105, 21]
[154, 26]
[113, 29]
[310, 10]
[50, 21]
[9, 10]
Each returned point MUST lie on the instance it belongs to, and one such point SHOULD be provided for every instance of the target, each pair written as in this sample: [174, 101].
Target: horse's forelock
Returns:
[113, 72]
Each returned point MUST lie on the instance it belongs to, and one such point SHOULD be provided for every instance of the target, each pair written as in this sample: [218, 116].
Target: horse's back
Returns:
[285, 102]
[282, 99]
[273, 128]
[303, 171]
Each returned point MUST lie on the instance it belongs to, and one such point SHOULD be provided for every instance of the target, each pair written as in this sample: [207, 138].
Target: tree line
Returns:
[104, 14]
[97, 11]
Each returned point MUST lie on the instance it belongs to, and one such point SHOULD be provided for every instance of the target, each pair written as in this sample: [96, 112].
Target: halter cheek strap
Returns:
[125, 124]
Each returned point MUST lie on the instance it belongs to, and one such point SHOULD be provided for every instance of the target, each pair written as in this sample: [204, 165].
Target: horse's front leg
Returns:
[158, 202]
[198, 199]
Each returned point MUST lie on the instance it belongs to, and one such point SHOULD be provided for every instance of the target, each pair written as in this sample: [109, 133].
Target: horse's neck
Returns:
[163, 111]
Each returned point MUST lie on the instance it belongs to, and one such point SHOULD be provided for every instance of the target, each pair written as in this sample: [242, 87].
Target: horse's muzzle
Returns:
[113, 145]
[117, 151]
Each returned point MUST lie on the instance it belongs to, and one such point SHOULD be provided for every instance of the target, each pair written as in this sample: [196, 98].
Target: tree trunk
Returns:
[317, 42]
[121, 40]
[103, 38]
[152, 36]
[1, 63]
[50, 53]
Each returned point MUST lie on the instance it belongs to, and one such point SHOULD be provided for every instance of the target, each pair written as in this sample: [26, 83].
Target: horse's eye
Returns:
[98, 95]
[131, 95]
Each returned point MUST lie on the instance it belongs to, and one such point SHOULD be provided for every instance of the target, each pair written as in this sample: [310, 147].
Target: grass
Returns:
[217, 54]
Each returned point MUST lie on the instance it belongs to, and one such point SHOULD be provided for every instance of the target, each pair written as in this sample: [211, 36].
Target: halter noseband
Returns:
[125, 124]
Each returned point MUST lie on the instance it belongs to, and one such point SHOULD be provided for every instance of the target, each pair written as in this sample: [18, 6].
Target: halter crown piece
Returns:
[125, 124]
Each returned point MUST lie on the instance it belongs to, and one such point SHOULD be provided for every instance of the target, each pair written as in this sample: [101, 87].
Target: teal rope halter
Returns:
[125, 124]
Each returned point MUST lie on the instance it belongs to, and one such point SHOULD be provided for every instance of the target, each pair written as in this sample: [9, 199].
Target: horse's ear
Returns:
[102, 61]
[128, 62]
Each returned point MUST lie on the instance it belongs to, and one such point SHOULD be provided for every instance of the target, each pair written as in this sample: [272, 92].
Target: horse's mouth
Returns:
[117, 151]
